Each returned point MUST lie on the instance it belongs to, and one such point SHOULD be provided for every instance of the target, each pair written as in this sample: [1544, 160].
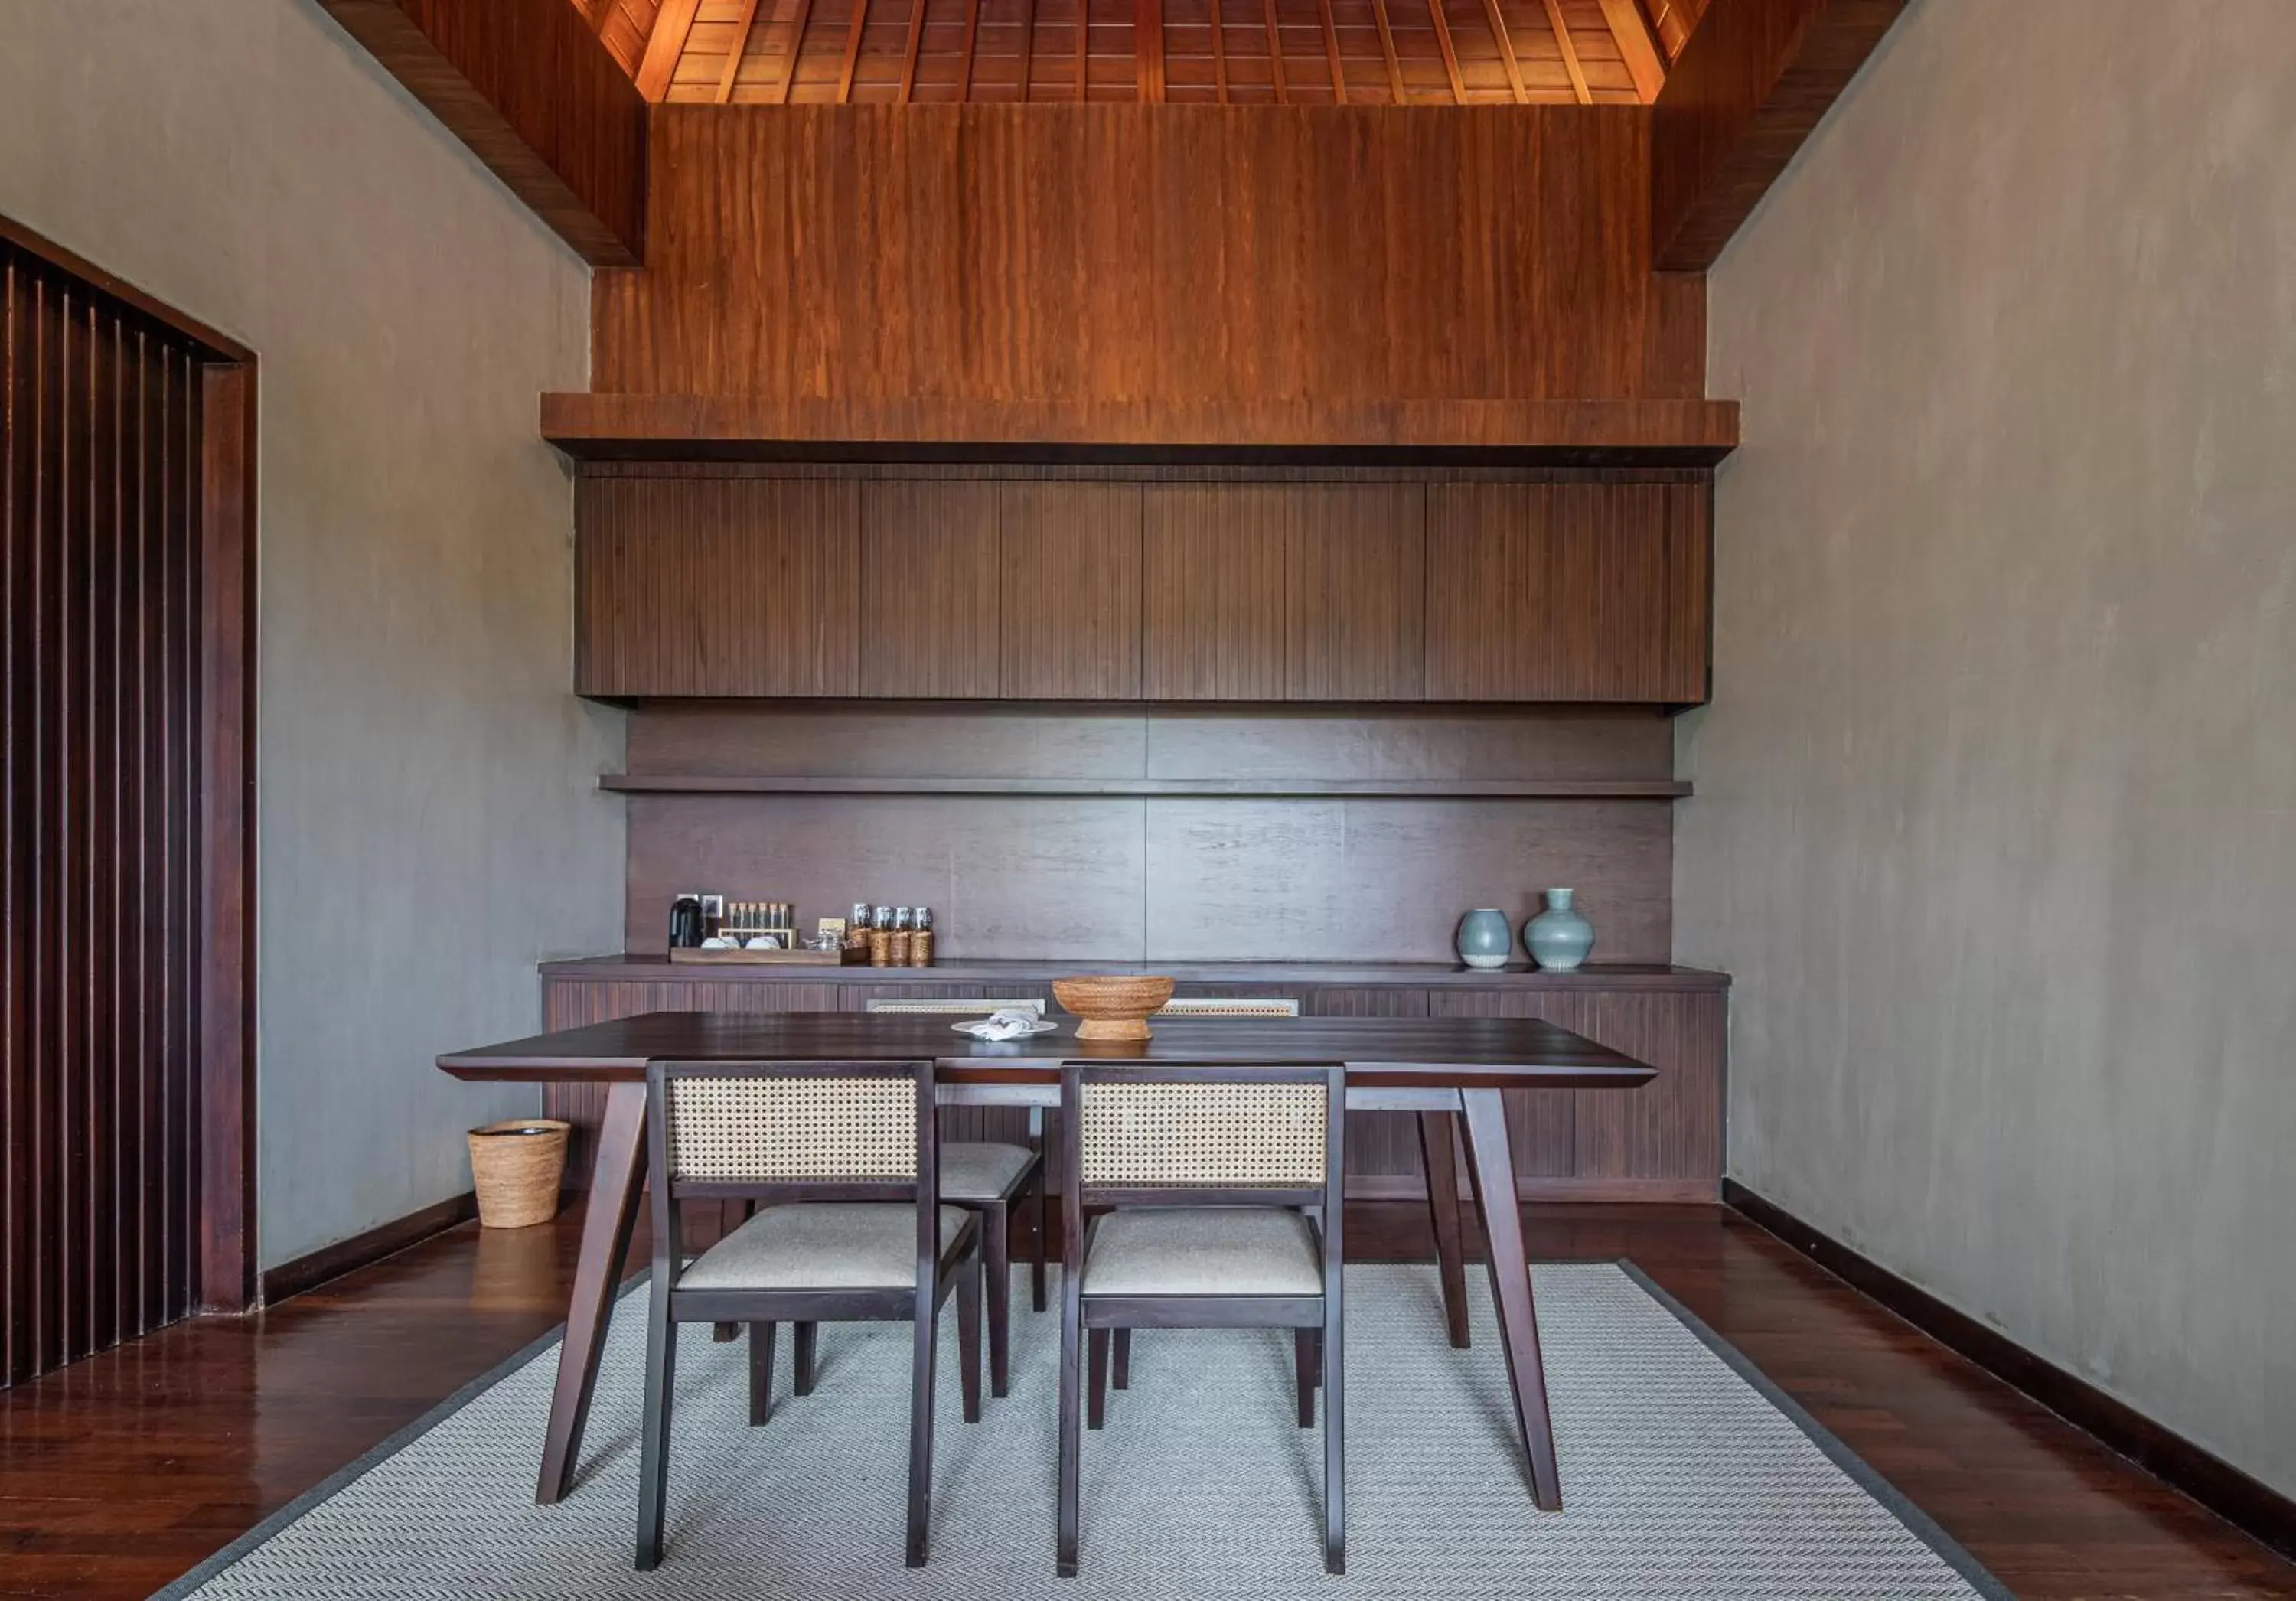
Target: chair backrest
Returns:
[1229, 1006]
[956, 1008]
[1164, 1136]
[730, 1130]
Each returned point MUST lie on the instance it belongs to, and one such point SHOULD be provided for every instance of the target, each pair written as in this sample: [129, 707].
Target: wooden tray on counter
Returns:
[847, 957]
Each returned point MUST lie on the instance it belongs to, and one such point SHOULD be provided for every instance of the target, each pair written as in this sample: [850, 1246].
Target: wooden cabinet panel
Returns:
[1284, 592]
[717, 587]
[1566, 591]
[1070, 572]
[929, 612]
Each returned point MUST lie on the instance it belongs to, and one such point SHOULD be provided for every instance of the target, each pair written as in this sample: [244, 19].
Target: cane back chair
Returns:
[883, 1249]
[1203, 1179]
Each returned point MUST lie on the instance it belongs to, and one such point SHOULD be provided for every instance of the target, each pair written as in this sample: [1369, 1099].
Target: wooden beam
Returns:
[1275, 54]
[672, 25]
[1636, 47]
[1027, 43]
[1755, 78]
[1570, 48]
[909, 53]
[1387, 49]
[1506, 49]
[1148, 49]
[1220, 54]
[796, 49]
[854, 30]
[1450, 55]
[741, 48]
[965, 63]
[1331, 53]
[535, 96]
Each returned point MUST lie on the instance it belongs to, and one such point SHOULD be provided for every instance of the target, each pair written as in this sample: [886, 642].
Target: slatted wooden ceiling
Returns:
[1230, 52]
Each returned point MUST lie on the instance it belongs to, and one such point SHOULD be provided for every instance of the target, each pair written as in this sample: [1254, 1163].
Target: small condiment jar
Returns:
[920, 939]
[899, 954]
[881, 937]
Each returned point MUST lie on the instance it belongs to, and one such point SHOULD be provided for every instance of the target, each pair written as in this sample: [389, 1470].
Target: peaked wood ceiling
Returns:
[1204, 51]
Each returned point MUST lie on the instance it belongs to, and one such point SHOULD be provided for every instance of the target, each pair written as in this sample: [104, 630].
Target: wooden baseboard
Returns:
[1393, 1186]
[2246, 1502]
[362, 1250]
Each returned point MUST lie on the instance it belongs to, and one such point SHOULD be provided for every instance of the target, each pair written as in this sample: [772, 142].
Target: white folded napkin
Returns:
[1010, 1024]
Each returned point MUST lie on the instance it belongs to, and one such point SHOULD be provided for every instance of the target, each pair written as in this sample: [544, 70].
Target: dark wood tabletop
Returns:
[1464, 1053]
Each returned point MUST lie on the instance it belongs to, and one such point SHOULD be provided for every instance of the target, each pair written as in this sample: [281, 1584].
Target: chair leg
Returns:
[997, 1224]
[807, 1333]
[1119, 1364]
[1099, 1347]
[1040, 1230]
[1071, 1434]
[653, 1437]
[921, 1429]
[1336, 1456]
[1303, 1370]
[968, 1334]
[761, 1373]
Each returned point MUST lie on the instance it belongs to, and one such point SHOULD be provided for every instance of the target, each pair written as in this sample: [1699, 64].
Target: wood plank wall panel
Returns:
[931, 616]
[717, 587]
[1751, 83]
[1070, 255]
[1567, 592]
[101, 450]
[1267, 592]
[536, 96]
[1071, 576]
[1661, 1143]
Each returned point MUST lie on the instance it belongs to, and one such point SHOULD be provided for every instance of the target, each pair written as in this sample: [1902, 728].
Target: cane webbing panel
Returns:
[1202, 1136]
[740, 1129]
[956, 1008]
[1228, 1007]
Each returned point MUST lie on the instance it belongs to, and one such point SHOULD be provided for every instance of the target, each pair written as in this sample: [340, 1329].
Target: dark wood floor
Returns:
[119, 1472]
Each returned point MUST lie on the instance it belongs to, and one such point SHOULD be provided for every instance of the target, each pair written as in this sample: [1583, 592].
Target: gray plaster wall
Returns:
[428, 820]
[1995, 820]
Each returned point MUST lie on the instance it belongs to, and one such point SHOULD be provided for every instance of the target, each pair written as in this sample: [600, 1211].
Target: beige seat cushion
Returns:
[844, 1245]
[980, 1171]
[1204, 1251]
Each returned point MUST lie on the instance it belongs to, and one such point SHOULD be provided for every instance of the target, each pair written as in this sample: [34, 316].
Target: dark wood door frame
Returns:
[224, 955]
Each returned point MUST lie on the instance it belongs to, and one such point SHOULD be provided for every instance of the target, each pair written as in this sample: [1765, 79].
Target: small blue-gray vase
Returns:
[1558, 939]
[1485, 938]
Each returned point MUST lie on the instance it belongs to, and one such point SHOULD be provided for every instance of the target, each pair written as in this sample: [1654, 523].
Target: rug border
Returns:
[1868, 1478]
[286, 1515]
[1862, 1473]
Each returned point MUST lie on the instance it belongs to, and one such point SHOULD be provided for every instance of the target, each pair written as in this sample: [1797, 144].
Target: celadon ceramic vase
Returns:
[1558, 939]
[1485, 938]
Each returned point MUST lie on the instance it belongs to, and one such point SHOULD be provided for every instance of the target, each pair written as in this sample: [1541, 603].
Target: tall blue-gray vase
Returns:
[1558, 939]
[1486, 939]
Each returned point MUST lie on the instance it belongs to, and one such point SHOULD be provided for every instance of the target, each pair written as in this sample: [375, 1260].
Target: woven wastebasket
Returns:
[516, 1168]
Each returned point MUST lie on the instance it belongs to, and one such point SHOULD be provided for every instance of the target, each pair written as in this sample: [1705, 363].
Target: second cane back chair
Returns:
[885, 1248]
[1204, 1177]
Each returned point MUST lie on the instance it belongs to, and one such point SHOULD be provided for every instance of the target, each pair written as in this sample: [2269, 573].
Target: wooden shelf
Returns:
[1594, 433]
[1510, 789]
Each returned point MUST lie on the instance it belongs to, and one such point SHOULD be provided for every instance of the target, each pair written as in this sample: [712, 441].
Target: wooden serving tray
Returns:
[846, 957]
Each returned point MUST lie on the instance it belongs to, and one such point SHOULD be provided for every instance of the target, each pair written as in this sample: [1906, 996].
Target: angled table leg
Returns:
[1439, 1159]
[614, 1186]
[1491, 1164]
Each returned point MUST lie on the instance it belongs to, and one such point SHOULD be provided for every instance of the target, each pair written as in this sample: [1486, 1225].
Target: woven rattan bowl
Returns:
[1113, 1006]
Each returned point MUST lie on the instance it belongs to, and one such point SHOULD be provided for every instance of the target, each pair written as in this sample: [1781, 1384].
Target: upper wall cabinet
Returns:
[717, 587]
[1284, 592]
[1057, 589]
[1567, 592]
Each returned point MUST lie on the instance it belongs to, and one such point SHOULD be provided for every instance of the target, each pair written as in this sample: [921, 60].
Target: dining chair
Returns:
[1201, 1177]
[883, 1249]
[992, 1176]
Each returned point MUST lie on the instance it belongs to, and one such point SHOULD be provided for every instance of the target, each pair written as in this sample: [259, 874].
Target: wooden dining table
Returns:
[1441, 1070]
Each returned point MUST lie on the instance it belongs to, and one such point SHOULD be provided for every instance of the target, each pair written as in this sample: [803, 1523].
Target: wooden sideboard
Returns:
[1163, 586]
[1662, 1143]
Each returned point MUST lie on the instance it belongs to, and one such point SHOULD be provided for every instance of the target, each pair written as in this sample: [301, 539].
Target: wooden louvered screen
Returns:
[106, 481]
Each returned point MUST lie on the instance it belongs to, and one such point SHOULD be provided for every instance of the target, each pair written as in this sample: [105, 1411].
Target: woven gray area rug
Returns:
[1684, 1474]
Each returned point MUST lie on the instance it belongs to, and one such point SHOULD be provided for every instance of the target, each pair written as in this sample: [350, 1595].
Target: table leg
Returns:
[615, 1183]
[1491, 1165]
[1439, 1159]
